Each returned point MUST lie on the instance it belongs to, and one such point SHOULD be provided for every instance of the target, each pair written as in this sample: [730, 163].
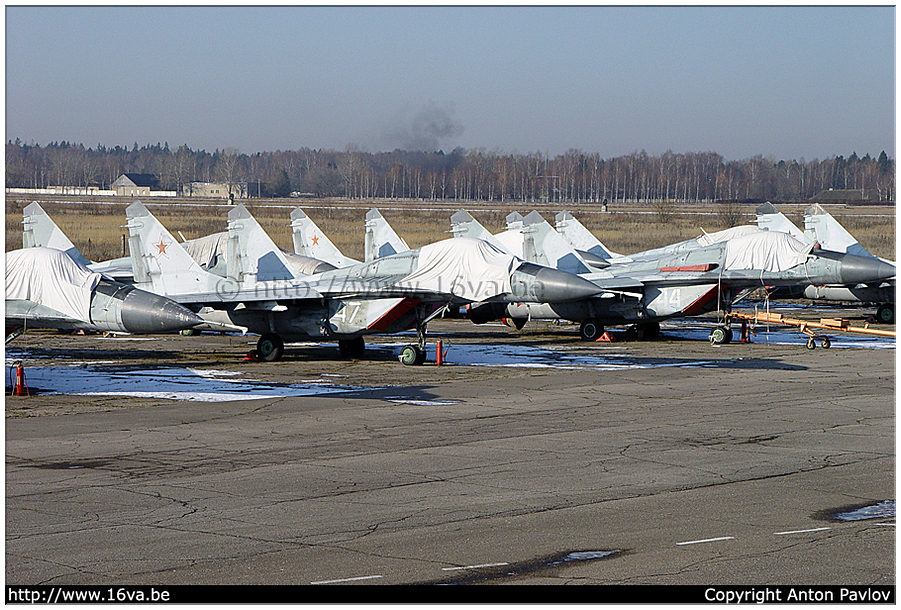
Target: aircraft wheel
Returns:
[825, 343]
[720, 335]
[411, 355]
[352, 348]
[811, 344]
[886, 313]
[189, 332]
[270, 347]
[591, 329]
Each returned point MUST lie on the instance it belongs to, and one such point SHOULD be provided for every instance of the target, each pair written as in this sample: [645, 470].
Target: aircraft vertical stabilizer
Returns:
[41, 232]
[544, 246]
[822, 228]
[580, 238]
[161, 265]
[464, 225]
[310, 241]
[771, 219]
[381, 240]
[251, 253]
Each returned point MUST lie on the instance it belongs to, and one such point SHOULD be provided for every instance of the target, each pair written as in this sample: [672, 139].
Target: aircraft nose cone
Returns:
[145, 312]
[547, 285]
[864, 269]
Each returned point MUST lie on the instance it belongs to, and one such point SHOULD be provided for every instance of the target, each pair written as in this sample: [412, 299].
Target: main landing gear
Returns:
[352, 348]
[886, 313]
[592, 329]
[721, 335]
[270, 347]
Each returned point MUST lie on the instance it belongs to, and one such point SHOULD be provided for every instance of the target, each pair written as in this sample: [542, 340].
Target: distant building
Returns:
[842, 196]
[214, 189]
[137, 185]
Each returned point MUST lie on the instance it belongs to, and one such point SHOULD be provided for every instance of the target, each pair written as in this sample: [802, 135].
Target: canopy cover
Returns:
[206, 250]
[765, 250]
[51, 278]
[470, 269]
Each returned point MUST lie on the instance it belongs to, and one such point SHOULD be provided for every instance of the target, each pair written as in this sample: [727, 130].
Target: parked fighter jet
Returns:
[689, 278]
[46, 288]
[822, 229]
[386, 295]
[310, 241]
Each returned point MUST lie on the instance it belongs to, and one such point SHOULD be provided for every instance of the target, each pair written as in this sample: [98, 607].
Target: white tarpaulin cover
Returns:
[471, 269]
[49, 277]
[714, 238]
[765, 250]
[205, 250]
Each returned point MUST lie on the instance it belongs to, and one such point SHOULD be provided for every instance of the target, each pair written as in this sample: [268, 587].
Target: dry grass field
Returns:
[96, 227]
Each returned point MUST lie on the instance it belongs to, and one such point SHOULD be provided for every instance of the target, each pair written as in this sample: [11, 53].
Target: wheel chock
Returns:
[251, 356]
[606, 337]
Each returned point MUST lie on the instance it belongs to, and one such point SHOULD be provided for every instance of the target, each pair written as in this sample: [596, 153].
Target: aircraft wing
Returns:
[35, 315]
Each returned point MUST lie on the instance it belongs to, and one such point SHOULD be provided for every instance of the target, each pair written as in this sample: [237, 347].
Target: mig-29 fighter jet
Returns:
[822, 229]
[386, 295]
[689, 278]
[46, 288]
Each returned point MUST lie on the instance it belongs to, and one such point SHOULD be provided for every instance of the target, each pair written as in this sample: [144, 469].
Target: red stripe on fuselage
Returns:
[699, 306]
[394, 314]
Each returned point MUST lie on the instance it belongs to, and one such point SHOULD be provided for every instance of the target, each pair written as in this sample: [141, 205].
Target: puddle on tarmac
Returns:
[883, 510]
[201, 385]
[510, 571]
[524, 356]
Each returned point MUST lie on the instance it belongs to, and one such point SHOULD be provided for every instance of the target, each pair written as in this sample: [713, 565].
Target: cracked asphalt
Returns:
[714, 469]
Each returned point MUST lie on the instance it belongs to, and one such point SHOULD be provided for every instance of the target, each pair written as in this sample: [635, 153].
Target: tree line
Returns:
[462, 175]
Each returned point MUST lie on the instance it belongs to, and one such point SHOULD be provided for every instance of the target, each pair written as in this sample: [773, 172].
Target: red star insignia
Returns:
[162, 247]
[315, 240]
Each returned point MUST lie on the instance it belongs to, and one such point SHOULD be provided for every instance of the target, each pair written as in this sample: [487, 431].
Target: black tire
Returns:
[352, 348]
[721, 335]
[886, 313]
[647, 330]
[825, 343]
[420, 357]
[591, 329]
[270, 347]
[411, 355]
[811, 344]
